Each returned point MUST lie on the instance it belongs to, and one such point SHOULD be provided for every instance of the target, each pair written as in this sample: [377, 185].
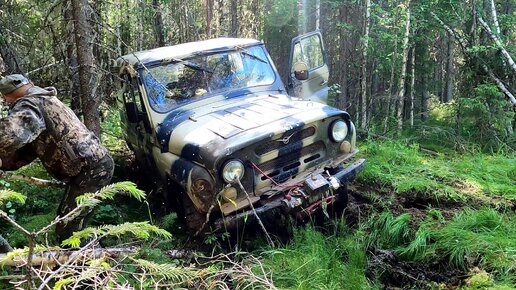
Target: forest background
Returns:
[430, 84]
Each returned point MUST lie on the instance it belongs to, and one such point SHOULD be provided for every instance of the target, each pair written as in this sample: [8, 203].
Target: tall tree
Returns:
[209, 16]
[343, 99]
[71, 59]
[158, 23]
[234, 18]
[365, 48]
[450, 69]
[84, 36]
[403, 75]
[412, 83]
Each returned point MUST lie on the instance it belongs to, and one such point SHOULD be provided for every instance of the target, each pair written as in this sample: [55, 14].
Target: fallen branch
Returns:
[12, 277]
[428, 151]
[52, 258]
[497, 41]
[31, 180]
[464, 45]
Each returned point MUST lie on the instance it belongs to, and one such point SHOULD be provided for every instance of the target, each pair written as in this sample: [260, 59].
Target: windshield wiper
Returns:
[244, 51]
[188, 64]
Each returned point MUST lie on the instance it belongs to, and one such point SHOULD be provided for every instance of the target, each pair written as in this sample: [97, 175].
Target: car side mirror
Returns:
[132, 112]
[301, 71]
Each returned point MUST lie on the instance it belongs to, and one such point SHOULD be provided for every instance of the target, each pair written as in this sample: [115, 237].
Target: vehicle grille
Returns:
[277, 144]
[292, 157]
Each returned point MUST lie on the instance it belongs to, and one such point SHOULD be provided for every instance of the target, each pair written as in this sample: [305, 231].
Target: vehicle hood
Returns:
[205, 135]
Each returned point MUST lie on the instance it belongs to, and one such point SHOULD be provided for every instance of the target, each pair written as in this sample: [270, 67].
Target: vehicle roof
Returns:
[183, 50]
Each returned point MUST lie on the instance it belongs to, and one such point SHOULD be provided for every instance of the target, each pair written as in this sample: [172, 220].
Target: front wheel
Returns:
[195, 221]
[342, 202]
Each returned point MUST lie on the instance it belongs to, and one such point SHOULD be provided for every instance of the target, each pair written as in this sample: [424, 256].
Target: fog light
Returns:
[345, 147]
[229, 194]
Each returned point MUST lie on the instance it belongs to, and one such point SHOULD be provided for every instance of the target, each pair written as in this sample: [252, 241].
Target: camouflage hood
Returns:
[37, 91]
[210, 135]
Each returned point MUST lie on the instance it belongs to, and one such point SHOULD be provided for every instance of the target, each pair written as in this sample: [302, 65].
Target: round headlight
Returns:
[233, 169]
[339, 130]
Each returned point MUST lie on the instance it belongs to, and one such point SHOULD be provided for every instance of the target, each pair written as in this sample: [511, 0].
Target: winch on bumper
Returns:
[304, 198]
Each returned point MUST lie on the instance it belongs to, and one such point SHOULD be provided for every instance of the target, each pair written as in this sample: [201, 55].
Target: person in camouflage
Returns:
[38, 125]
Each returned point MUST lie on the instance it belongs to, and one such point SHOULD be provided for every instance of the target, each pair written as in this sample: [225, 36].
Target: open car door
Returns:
[308, 71]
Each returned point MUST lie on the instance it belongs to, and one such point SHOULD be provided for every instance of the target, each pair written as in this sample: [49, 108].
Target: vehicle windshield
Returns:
[183, 81]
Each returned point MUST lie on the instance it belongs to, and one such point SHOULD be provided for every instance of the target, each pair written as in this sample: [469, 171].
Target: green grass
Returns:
[458, 178]
[484, 238]
[313, 260]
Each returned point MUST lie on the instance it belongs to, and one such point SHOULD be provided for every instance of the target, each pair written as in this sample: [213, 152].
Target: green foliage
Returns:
[112, 134]
[140, 230]
[386, 231]
[31, 223]
[483, 117]
[172, 273]
[457, 178]
[7, 195]
[315, 261]
[483, 237]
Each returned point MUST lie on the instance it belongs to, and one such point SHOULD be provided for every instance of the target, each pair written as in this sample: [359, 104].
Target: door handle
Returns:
[323, 82]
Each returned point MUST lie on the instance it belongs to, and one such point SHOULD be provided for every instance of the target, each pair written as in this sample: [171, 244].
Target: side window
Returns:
[309, 50]
[131, 92]
[136, 94]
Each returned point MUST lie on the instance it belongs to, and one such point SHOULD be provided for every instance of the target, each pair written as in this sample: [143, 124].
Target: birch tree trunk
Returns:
[424, 59]
[498, 43]
[495, 17]
[140, 25]
[363, 123]
[317, 14]
[342, 101]
[87, 65]
[403, 76]
[464, 45]
[390, 92]
[412, 82]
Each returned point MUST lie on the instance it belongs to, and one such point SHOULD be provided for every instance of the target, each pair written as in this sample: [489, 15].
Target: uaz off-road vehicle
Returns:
[214, 123]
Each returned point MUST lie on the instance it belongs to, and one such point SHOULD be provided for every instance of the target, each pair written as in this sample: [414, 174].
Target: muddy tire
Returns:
[194, 220]
[342, 202]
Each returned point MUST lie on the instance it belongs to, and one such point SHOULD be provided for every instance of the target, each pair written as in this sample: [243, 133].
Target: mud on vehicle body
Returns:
[213, 121]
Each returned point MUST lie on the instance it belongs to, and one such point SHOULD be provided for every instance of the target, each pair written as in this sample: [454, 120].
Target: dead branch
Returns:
[31, 180]
[428, 151]
[12, 277]
[497, 41]
[52, 258]
[464, 45]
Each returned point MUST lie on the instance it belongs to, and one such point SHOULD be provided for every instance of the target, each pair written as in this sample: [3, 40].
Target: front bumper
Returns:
[315, 189]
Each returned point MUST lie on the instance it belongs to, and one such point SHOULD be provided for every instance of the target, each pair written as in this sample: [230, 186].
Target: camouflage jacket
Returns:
[39, 125]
